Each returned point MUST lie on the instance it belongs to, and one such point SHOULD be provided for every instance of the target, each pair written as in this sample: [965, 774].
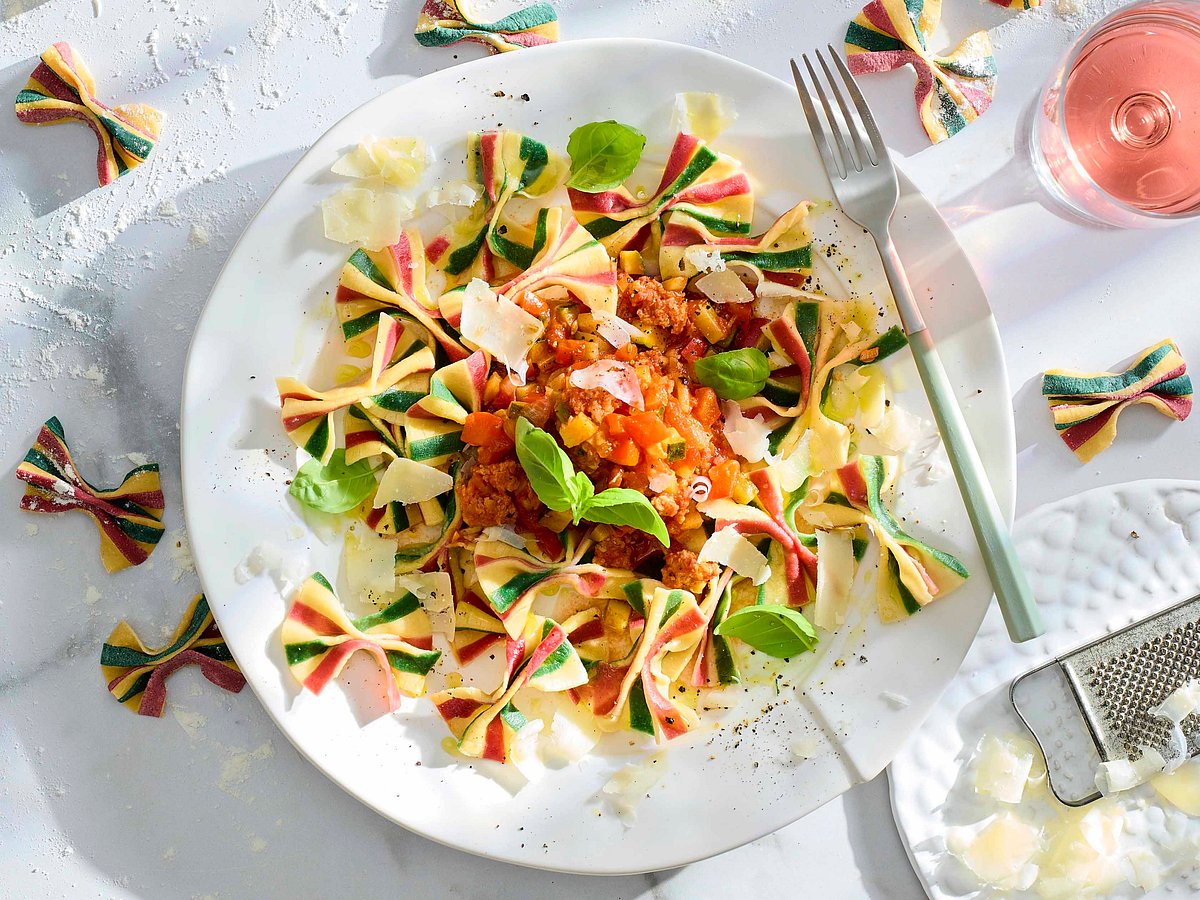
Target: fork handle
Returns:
[1017, 603]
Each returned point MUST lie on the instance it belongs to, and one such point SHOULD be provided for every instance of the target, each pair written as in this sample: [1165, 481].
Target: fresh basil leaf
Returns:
[334, 487]
[581, 490]
[772, 629]
[734, 374]
[603, 155]
[622, 506]
[547, 466]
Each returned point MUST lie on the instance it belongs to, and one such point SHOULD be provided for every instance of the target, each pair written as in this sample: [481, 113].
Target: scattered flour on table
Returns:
[238, 767]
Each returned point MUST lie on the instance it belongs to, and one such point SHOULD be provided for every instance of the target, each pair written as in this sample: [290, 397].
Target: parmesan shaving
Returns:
[728, 548]
[1002, 769]
[999, 851]
[408, 481]
[724, 287]
[631, 783]
[794, 468]
[369, 562]
[374, 219]
[498, 326]
[568, 740]
[835, 574]
[452, 193]
[523, 753]
[399, 161]
[436, 594]
[705, 115]
[611, 375]
[614, 329]
[505, 535]
[748, 437]
[1122, 774]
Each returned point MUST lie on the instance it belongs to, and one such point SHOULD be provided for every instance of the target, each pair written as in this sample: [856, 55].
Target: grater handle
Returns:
[1048, 704]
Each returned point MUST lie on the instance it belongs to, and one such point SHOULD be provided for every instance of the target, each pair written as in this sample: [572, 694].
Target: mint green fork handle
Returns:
[1017, 603]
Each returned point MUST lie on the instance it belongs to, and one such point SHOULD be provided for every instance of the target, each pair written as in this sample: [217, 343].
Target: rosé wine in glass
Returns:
[1117, 133]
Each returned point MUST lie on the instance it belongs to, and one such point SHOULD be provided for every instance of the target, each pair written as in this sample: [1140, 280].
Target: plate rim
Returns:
[498, 61]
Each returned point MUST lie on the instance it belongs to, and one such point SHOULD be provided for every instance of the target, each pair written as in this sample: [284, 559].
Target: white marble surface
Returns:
[99, 291]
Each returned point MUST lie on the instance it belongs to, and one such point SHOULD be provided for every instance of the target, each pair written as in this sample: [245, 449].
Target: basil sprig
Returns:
[770, 628]
[560, 487]
[603, 155]
[334, 487]
[734, 374]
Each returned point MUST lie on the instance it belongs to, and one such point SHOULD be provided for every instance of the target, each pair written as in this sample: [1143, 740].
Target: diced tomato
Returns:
[626, 353]
[646, 429]
[694, 350]
[705, 407]
[532, 304]
[568, 351]
[738, 313]
[625, 452]
[506, 392]
[494, 453]
[614, 424]
[722, 476]
[750, 333]
[483, 428]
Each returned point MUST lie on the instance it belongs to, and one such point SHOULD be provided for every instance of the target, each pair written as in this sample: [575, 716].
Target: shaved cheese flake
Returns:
[569, 739]
[436, 594]
[369, 562]
[1182, 703]
[498, 326]
[505, 535]
[523, 753]
[452, 193]
[397, 160]
[794, 468]
[999, 851]
[748, 437]
[631, 783]
[728, 548]
[614, 329]
[1002, 769]
[374, 219]
[1118, 775]
[835, 575]
[611, 375]
[703, 114]
[1181, 788]
[408, 481]
[704, 258]
[724, 287]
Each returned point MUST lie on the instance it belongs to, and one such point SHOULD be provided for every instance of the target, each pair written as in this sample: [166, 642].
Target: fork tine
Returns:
[879, 154]
[851, 162]
[832, 166]
[860, 151]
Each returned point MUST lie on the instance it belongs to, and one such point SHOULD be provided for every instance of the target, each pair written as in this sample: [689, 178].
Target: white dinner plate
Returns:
[271, 313]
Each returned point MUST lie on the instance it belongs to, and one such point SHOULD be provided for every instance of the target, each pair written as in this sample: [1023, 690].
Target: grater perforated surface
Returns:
[1121, 678]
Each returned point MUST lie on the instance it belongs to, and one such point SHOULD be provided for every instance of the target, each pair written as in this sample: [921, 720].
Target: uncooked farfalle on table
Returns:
[62, 89]
[952, 90]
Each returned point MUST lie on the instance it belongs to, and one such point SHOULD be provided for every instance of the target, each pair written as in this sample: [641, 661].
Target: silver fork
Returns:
[865, 184]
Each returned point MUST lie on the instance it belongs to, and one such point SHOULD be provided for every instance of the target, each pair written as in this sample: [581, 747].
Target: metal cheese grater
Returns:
[1093, 704]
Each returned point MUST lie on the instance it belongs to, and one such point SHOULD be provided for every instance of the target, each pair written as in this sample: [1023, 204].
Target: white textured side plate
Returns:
[270, 314]
[1097, 562]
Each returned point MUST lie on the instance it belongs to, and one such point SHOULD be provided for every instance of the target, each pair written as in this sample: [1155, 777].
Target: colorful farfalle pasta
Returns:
[445, 22]
[1086, 405]
[710, 187]
[128, 517]
[953, 90]
[62, 89]
[136, 675]
[319, 638]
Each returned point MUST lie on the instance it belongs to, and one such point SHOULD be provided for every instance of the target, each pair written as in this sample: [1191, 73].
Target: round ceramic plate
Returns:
[270, 314]
[1096, 562]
